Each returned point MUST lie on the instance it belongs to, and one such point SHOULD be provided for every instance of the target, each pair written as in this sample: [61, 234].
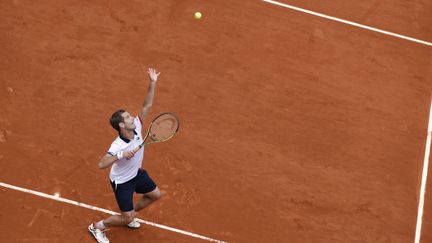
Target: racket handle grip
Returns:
[139, 147]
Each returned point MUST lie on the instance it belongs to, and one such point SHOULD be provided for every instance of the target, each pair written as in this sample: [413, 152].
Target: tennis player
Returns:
[126, 175]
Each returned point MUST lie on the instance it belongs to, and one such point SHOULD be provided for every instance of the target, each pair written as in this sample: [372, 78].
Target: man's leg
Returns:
[147, 187]
[119, 220]
[124, 197]
[147, 199]
[98, 228]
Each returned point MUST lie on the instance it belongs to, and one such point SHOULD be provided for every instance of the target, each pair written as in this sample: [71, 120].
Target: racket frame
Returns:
[150, 126]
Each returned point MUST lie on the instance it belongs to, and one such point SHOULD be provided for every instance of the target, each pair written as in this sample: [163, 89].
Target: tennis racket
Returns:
[161, 129]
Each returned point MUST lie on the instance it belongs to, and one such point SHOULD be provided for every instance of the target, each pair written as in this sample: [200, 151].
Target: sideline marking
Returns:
[424, 178]
[348, 22]
[429, 134]
[60, 199]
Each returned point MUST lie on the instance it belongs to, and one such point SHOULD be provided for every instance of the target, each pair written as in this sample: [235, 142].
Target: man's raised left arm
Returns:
[148, 102]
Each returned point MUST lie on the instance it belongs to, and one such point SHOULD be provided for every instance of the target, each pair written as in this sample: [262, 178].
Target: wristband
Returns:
[120, 155]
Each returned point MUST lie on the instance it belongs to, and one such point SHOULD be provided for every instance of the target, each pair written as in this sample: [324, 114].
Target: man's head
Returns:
[121, 119]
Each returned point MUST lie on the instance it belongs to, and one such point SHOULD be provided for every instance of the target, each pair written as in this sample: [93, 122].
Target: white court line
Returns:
[429, 134]
[348, 22]
[83, 205]
[424, 179]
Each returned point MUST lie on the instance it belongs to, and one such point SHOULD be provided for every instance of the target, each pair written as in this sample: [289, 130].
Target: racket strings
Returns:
[163, 127]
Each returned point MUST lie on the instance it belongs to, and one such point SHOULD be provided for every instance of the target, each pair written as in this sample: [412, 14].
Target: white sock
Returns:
[100, 225]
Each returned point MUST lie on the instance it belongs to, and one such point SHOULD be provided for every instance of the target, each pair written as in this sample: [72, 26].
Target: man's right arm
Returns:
[109, 159]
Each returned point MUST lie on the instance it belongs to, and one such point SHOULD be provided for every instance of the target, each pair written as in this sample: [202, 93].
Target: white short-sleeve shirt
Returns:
[124, 169]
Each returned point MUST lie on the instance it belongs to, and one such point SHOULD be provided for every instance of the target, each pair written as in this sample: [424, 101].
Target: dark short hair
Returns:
[116, 118]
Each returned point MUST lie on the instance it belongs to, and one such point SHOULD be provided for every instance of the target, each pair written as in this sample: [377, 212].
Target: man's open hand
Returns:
[153, 75]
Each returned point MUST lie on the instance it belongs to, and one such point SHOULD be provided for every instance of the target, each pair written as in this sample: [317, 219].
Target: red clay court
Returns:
[294, 127]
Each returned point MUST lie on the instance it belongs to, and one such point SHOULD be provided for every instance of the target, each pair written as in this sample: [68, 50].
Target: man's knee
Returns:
[155, 194]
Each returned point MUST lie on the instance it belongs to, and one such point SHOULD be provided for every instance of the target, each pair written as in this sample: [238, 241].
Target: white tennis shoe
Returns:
[98, 234]
[134, 224]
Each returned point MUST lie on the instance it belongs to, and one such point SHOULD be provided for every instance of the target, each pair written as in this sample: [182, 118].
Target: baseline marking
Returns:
[83, 205]
[424, 179]
[348, 22]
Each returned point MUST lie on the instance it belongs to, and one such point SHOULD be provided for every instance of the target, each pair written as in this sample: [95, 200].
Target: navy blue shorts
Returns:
[141, 183]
